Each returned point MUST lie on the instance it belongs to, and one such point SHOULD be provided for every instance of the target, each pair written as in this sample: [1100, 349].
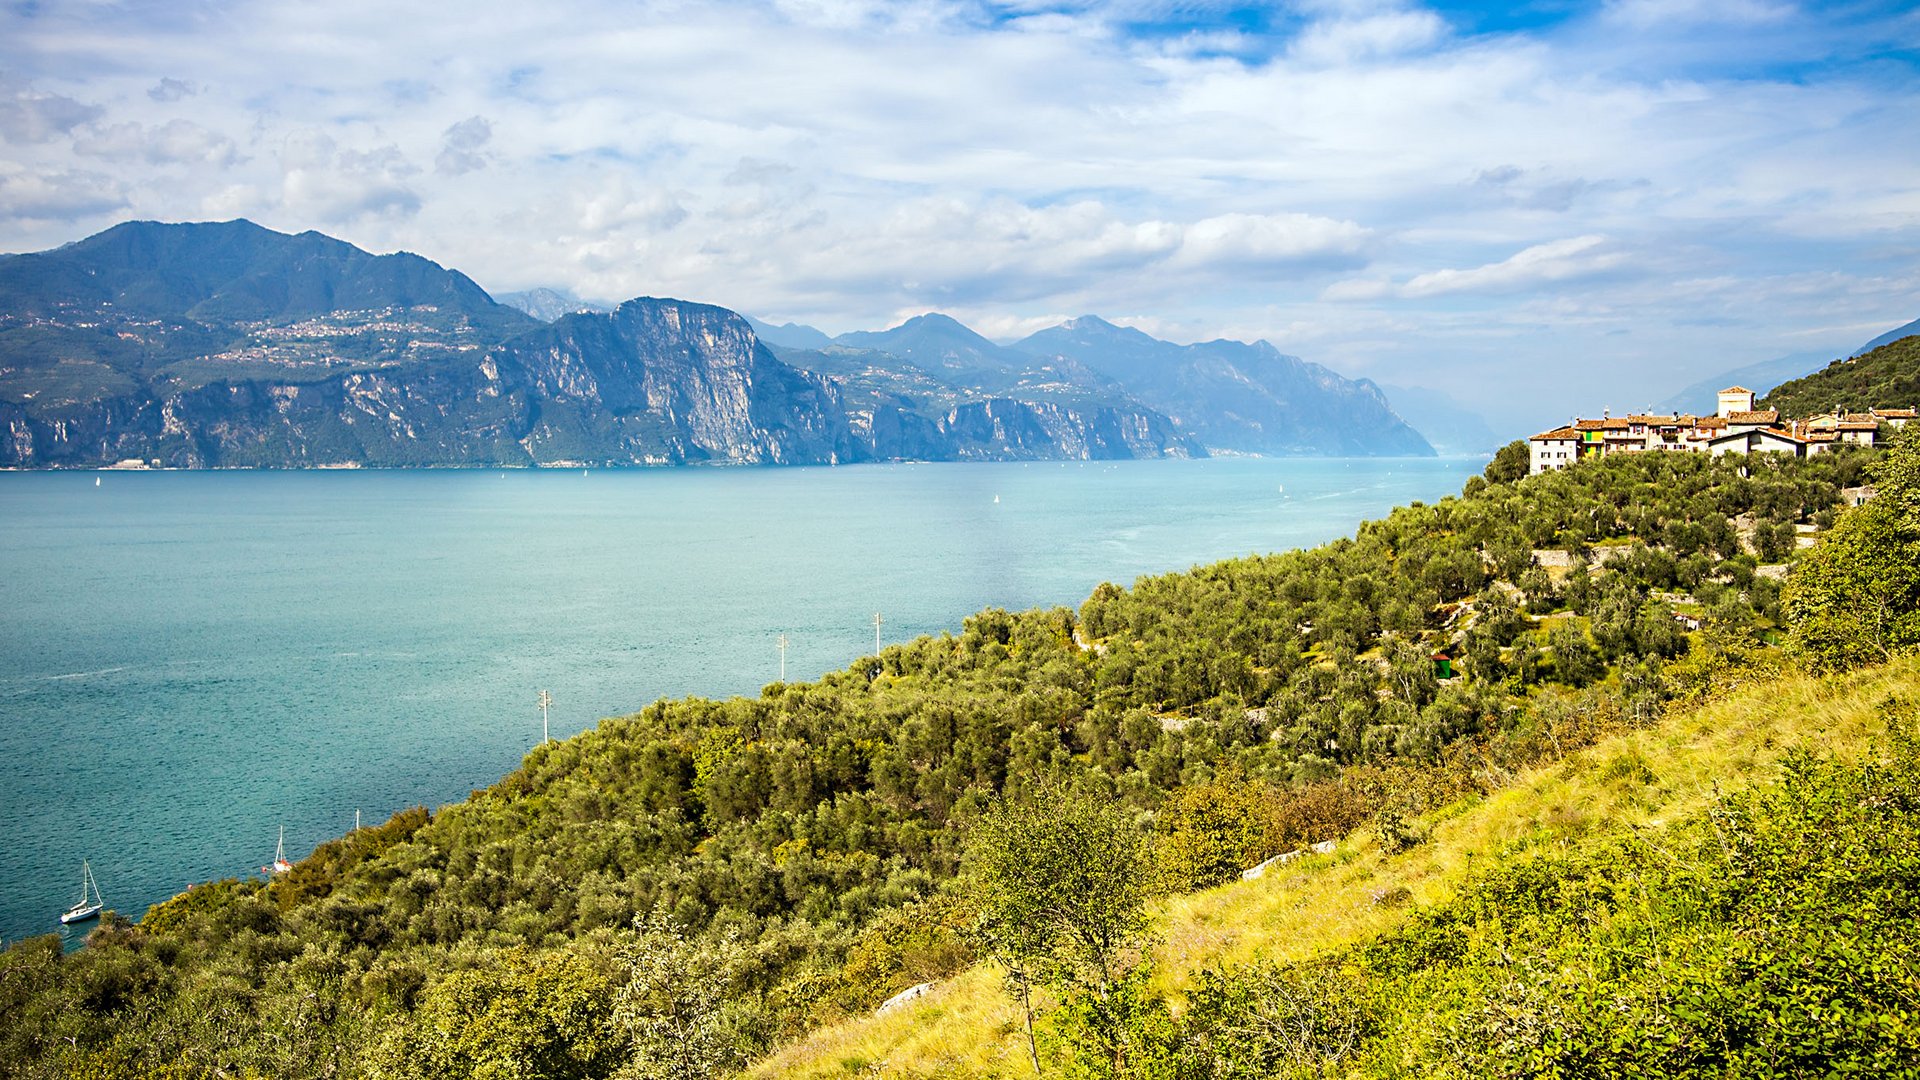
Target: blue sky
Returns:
[1547, 207]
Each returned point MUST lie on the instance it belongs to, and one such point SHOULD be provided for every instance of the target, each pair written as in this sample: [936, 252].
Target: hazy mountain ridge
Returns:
[1235, 396]
[232, 345]
[547, 305]
[1891, 336]
[1452, 426]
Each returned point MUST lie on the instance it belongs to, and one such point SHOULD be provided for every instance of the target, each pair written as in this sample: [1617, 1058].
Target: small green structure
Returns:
[1442, 666]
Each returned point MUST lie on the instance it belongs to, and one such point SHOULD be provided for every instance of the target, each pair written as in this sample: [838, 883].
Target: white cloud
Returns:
[333, 186]
[176, 142]
[170, 89]
[462, 147]
[1345, 40]
[1552, 262]
[60, 196]
[1558, 260]
[28, 116]
[1272, 241]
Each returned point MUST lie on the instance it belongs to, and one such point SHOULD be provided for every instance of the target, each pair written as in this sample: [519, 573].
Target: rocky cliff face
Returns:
[667, 382]
[229, 345]
[1003, 429]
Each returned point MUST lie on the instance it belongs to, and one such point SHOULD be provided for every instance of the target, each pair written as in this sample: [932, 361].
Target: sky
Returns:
[1543, 208]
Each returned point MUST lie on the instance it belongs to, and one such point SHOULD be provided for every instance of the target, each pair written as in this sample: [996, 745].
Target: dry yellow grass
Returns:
[969, 1028]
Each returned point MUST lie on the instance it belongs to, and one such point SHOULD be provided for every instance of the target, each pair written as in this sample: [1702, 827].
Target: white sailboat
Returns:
[280, 864]
[90, 899]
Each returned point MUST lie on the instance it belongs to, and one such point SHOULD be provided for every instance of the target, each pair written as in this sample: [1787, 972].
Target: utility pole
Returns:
[876, 633]
[546, 702]
[783, 658]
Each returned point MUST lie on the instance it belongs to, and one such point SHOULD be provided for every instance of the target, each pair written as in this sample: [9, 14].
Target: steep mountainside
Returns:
[231, 345]
[1887, 377]
[233, 271]
[933, 389]
[664, 382]
[1234, 396]
[940, 345]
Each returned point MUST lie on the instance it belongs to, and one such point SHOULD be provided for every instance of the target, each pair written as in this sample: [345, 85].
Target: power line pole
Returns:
[876, 633]
[546, 702]
[783, 658]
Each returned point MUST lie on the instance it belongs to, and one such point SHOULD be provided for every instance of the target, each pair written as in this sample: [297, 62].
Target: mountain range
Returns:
[232, 345]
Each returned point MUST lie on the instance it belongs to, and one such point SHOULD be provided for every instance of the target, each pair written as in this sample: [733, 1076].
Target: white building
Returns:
[1554, 449]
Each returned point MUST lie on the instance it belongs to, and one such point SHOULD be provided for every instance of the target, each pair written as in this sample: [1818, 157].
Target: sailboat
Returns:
[280, 864]
[90, 899]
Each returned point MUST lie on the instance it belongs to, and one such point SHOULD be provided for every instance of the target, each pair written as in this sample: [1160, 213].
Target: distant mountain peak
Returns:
[1234, 395]
[790, 335]
[548, 304]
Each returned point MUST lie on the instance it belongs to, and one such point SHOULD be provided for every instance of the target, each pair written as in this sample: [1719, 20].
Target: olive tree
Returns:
[1061, 879]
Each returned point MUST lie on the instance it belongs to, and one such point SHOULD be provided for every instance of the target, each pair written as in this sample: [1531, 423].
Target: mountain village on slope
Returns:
[1736, 428]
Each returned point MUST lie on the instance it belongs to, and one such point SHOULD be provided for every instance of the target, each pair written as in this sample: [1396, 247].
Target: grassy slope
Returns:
[967, 1027]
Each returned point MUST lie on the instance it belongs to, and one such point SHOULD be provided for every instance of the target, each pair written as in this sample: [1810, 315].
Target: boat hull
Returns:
[80, 914]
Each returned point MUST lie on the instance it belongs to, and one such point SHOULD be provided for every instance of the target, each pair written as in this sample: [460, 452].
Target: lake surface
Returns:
[190, 661]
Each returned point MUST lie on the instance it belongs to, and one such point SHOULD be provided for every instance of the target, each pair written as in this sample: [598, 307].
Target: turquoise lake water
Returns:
[190, 661]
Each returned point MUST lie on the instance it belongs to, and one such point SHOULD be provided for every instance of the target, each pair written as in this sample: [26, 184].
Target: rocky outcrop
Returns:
[668, 382]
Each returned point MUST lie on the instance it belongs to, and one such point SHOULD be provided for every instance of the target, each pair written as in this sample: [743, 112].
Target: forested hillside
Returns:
[1887, 377]
[682, 891]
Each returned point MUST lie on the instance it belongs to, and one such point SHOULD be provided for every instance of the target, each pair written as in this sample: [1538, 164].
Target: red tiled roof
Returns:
[1897, 414]
[1776, 432]
[1758, 416]
[1736, 390]
[1556, 433]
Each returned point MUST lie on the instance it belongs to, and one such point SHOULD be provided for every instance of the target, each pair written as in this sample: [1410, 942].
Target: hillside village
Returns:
[1735, 428]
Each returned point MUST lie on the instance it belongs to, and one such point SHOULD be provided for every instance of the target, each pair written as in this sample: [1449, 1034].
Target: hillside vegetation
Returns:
[683, 891]
[1886, 377]
[1769, 835]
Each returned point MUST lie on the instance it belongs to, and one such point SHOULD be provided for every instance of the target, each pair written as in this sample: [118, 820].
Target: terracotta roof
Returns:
[1650, 418]
[1710, 423]
[1757, 416]
[1556, 433]
[1858, 425]
[1736, 390]
[1897, 414]
[1588, 425]
[1778, 433]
